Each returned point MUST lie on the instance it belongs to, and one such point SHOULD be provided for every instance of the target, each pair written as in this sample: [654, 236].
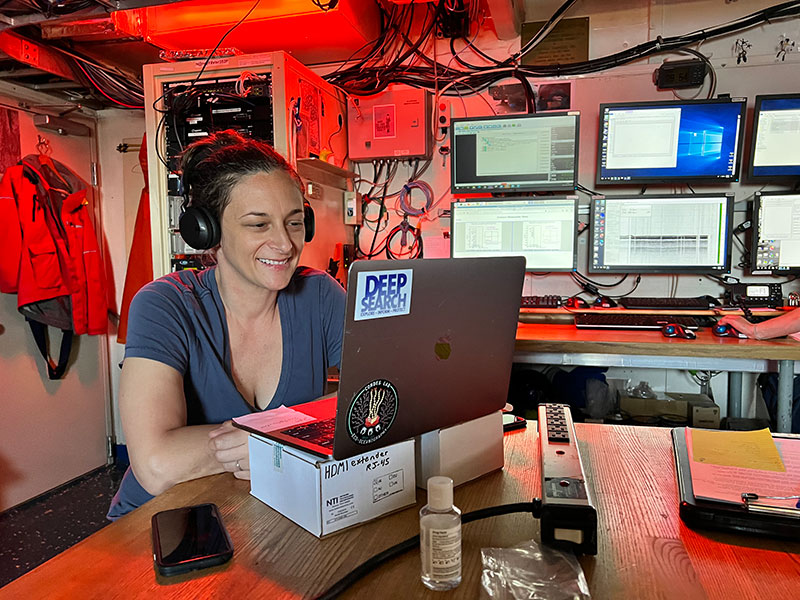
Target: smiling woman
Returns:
[254, 331]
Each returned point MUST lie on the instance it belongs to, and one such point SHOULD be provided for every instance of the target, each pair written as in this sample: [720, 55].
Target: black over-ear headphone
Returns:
[202, 231]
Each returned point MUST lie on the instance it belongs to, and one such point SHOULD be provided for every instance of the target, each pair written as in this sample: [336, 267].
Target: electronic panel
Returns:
[544, 231]
[514, 153]
[652, 142]
[661, 234]
[776, 233]
[215, 105]
[268, 96]
[775, 150]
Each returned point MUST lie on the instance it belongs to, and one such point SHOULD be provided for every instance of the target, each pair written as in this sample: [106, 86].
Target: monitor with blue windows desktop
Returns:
[775, 149]
[544, 230]
[669, 142]
[510, 154]
[689, 233]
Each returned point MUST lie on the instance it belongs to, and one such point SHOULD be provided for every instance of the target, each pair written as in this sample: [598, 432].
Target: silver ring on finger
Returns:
[238, 468]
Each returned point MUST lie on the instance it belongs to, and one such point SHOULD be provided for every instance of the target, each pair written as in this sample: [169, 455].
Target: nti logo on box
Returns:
[383, 294]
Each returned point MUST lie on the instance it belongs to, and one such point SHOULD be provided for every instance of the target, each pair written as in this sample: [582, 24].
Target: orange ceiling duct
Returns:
[310, 34]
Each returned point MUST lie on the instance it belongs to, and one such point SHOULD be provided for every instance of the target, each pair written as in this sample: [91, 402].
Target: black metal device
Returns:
[568, 518]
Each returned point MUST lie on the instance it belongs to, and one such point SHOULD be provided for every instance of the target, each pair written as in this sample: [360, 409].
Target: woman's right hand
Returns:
[230, 448]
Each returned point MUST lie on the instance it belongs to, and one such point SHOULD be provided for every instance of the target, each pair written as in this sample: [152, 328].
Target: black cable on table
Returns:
[535, 508]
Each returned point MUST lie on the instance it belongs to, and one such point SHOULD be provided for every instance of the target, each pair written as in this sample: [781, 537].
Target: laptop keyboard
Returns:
[316, 432]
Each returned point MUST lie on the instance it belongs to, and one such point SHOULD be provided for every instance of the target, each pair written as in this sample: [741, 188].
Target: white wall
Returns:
[52, 431]
[121, 182]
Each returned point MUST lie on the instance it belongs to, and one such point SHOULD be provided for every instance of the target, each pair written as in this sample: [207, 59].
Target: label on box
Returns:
[277, 457]
[340, 507]
[386, 485]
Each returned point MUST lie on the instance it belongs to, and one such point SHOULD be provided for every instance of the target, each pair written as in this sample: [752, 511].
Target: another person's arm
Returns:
[772, 328]
[163, 449]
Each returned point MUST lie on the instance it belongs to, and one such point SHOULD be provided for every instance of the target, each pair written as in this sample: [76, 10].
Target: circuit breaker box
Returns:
[395, 124]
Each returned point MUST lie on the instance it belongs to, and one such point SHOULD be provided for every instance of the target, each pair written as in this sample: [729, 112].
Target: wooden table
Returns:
[558, 343]
[645, 551]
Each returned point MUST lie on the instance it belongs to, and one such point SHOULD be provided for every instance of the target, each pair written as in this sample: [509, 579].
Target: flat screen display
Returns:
[544, 231]
[776, 233]
[514, 153]
[775, 149]
[661, 234]
[651, 142]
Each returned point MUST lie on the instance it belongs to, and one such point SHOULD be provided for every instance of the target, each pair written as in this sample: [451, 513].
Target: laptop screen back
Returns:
[427, 344]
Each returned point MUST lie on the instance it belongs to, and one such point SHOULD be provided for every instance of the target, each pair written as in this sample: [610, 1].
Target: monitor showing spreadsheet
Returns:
[661, 233]
[775, 149]
[776, 233]
[514, 153]
[543, 230]
[652, 142]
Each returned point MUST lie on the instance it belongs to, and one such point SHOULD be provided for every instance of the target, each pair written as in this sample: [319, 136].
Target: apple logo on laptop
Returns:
[442, 348]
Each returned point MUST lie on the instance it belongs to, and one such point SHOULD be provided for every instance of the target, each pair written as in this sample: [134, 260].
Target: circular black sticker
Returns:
[372, 412]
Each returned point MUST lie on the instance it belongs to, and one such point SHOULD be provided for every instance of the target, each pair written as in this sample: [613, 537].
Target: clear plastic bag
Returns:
[529, 571]
[643, 390]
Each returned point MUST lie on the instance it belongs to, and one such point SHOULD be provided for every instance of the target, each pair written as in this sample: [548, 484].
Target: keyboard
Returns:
[698, 303]
[625, 321]
[316, 432]
[549, 301]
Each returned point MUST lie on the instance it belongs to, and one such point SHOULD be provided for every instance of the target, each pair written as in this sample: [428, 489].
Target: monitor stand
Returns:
[461, 452]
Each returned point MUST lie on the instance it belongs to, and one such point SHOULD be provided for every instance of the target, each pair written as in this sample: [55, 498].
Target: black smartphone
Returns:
[511, 422]
[189, 538]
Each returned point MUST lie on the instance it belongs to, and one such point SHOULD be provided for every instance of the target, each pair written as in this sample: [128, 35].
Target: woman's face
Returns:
[262, 230]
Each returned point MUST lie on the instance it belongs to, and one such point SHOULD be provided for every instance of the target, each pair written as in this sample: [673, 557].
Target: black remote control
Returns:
[569, 518]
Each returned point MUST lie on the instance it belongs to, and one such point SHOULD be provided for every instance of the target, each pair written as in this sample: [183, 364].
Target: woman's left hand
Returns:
[230, 448]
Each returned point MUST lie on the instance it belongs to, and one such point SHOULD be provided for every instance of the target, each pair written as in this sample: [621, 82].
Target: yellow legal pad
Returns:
[745, 449]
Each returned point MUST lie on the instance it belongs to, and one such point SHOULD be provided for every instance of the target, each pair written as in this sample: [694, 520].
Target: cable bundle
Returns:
[394, 58]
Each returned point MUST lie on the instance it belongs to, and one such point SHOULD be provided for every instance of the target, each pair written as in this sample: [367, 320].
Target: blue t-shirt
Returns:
[179, 320]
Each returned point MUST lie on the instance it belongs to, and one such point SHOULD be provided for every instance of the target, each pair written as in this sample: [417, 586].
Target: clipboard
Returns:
[744, 518]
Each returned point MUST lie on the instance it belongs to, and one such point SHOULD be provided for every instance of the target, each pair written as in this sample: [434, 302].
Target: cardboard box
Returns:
[702, 410]
[653, 406]
[705, 415]
[461, 452]
[325, 495]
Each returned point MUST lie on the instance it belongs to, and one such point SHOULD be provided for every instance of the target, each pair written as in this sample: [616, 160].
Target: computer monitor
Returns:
[668, 142]
[661, 234]
[775, 149]
[514, 153]
[543, 230]
[776, 234]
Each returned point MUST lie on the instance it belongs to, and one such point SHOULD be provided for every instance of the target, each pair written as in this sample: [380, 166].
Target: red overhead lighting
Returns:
[296, 26]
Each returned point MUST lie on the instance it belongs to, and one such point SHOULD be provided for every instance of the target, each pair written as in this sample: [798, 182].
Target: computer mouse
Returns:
[604, 302]
[725, 330]
[575, 302]
[675, 330]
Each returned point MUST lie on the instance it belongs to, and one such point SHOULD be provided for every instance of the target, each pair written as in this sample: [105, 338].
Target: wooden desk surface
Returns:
[644, 549]
[566, 338]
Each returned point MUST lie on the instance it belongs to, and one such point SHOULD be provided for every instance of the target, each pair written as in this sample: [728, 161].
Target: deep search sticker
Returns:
[383, 294]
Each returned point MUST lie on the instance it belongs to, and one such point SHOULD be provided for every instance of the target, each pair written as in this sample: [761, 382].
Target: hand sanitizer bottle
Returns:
[440, 537]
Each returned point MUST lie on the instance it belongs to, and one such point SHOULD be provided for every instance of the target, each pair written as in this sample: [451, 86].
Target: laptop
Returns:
[427, 344]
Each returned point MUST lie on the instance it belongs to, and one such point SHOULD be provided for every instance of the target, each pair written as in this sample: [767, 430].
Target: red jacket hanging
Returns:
[50, 250]
[140, 263]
